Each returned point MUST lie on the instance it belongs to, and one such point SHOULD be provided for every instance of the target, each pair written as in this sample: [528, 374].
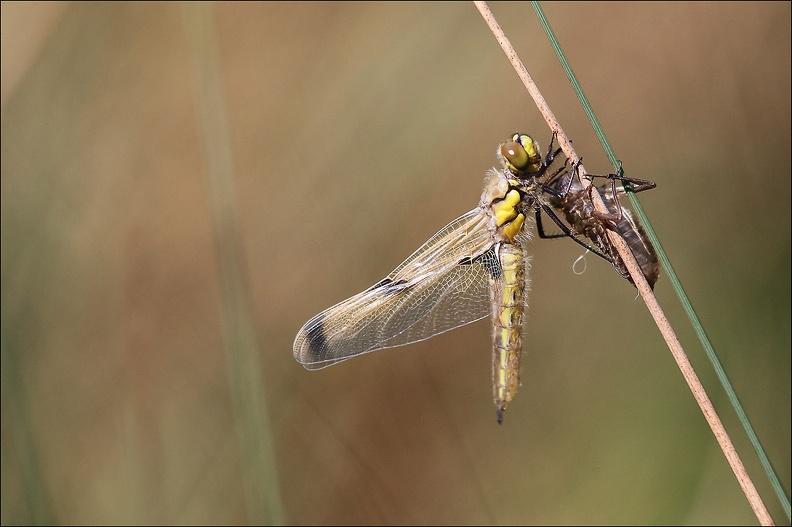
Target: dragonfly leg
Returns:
[567, 231]
[550, 153]
[540, 227]
[550, 189]
[636, 185]
[608, 217]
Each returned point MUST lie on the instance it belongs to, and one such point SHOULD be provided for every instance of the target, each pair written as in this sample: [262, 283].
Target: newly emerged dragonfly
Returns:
[475, 266]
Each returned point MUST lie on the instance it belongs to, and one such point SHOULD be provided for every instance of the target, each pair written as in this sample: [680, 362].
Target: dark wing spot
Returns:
[382, 283]
[316, 339]
[488, 259]
[388, 286]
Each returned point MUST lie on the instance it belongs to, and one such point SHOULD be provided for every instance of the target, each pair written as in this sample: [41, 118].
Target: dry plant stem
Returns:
[640, 282]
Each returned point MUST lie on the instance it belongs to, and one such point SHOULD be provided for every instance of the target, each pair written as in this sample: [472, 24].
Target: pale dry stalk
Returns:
[640, 281]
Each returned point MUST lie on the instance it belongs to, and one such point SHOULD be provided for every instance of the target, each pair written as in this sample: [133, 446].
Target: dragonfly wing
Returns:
[441, 286]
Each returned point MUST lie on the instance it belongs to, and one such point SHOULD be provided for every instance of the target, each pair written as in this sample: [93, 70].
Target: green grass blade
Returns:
[672, 276]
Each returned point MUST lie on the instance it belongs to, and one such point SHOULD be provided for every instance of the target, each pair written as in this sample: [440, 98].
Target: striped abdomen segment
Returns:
[508, 308]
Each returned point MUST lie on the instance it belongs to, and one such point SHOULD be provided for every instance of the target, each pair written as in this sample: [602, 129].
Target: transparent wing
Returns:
[443, 285]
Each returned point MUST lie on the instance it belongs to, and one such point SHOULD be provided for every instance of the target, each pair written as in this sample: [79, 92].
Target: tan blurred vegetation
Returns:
[356, 131]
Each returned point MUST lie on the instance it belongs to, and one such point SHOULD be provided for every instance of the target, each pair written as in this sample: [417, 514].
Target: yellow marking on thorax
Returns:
[513, 229]
[506, 210]
[507, 216]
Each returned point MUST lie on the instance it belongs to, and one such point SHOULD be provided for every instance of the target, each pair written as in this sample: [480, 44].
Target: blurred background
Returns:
[184, 186]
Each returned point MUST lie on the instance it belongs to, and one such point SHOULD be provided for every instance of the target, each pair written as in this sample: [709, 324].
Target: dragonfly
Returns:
[474, 267]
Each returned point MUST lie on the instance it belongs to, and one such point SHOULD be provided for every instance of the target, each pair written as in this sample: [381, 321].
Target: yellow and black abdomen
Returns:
[508, 311]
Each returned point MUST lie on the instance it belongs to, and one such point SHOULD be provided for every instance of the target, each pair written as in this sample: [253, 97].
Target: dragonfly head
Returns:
[521, 154]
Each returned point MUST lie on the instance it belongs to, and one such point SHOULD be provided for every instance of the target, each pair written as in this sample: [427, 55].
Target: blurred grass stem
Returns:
[253, 432]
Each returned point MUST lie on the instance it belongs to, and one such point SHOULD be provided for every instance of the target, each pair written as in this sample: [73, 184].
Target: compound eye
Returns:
[515, 155]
